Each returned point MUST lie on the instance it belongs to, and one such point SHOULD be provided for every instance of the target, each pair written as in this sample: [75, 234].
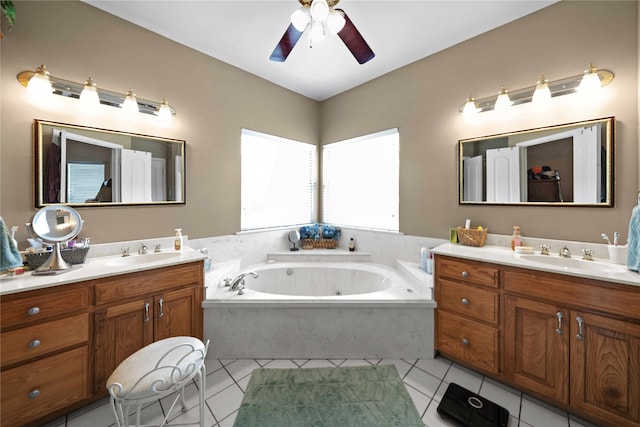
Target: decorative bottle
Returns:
[352, 245]
[516, 238]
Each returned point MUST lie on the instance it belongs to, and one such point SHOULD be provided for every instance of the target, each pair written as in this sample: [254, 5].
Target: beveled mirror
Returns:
[85, 166]
[564, 165]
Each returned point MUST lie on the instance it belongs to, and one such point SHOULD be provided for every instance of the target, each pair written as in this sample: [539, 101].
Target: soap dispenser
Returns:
[177, 243]
[516, 238]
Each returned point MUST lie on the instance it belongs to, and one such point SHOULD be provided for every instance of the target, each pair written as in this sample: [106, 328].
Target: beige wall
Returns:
[422, 99]
[75, 40]
[213, 102]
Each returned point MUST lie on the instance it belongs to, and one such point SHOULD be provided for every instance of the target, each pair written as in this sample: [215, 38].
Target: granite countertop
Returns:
[599, 269]
[95, 268]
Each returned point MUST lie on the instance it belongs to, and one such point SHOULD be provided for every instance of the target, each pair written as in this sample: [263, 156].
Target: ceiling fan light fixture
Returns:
[335, 22]
[317, 32]
[319, 10]
[300, 18]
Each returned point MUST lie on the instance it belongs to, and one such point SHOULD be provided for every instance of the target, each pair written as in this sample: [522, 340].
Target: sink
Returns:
[575, 264]
[144, 259]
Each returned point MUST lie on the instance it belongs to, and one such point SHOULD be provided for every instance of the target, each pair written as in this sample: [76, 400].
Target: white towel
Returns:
[633, 251]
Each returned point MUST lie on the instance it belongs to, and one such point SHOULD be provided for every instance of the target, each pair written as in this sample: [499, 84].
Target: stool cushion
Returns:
[158, 367]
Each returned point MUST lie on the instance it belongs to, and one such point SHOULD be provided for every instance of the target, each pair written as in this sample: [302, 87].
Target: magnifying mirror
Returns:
[294, 237]
[55, 224]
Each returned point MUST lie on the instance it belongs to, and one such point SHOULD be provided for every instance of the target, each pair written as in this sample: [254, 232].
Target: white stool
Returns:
[154, 372]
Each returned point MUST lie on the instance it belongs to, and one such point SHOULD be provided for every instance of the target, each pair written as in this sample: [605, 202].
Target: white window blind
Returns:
[278, 181]
[360, 181]
[85, 180]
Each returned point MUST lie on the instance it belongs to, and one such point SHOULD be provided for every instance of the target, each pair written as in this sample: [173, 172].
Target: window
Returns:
[85, 180]
[361, 183]
[278, 181]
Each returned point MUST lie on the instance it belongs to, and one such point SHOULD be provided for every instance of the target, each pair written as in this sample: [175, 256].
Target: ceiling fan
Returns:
[322, 19]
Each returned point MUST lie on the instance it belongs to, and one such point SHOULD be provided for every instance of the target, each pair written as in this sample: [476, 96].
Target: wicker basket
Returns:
[319, 243]
[72, 256]
[472, 236]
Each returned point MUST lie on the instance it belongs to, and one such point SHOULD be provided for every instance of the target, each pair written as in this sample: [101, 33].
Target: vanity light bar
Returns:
[72, 89]
[559, 87]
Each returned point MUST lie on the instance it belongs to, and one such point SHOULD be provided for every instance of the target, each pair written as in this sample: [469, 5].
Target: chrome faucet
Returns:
[587, 254]
[237, 284]
[564, 252]
[143, 249]
[544, 249]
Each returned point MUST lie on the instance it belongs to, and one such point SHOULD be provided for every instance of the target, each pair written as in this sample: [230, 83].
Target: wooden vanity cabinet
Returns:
[572, 341]
[136, 309]
[45, 346]
[468, 313]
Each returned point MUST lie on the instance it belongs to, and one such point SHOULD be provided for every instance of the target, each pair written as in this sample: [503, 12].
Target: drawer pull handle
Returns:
[146, 312]
[465, 341]
[465, 274]
[464, 301]
[580, 321]
[34, 344]
[559, 329]
[33, 311]
[160, 303]
[33, 394]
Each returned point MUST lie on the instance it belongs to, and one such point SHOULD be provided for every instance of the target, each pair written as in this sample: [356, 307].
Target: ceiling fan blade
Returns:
[354, 40]
[286, 44]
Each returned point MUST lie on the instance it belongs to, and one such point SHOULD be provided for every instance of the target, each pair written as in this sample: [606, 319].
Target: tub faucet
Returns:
[564, 252]
[237, 284]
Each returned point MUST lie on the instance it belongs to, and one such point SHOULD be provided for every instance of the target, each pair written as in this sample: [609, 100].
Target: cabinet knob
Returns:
[34, 393]
[465, 341]
[34, 344]
[464, 301]
[465, 274]
[33, 311]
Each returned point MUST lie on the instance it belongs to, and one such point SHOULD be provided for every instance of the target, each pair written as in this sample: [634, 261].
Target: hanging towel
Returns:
[9, 254]
[633, 251]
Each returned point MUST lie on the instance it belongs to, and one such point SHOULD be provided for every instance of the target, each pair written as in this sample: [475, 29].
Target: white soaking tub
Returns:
[320, 310]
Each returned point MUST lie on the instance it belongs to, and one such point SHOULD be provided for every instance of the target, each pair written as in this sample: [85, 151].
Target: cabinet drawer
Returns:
[470, 301]
[469, 342]
[33, 306]
[38, 388]
[118, 288]
[468, 271]
[43, 338]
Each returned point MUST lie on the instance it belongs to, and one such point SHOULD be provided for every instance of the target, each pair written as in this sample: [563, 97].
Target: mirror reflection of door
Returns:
[136, 176]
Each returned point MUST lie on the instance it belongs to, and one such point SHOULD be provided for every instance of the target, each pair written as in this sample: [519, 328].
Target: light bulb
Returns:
[130, 104]
[590, 82]
[542, 94]
[335, 22]
[470, 107]
[39, 83]
[164, 112]
[319, 10]
[317, 32]
[300, 18]
[503, 103]
[89, 95]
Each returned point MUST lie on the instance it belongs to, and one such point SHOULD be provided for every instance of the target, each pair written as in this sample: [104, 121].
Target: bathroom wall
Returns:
[422, 100]
[214, 101]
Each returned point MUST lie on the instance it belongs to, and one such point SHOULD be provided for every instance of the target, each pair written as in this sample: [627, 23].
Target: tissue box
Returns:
[72, 256]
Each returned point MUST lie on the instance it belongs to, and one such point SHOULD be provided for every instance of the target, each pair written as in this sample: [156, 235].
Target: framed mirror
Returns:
[84, 166]
[565, 165]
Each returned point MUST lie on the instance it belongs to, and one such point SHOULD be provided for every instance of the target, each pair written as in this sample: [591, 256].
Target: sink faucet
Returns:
[587, 254]
[544, 249]
[143, 249]
[564, 252]
[237, 284]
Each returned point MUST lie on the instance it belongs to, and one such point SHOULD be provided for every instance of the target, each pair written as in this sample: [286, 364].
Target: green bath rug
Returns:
[361, 396]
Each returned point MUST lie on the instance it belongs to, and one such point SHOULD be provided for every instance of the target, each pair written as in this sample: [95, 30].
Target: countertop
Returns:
[95, 268]
[599, 269]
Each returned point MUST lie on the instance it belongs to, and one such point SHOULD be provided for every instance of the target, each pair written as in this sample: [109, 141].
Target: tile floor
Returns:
[425, 379]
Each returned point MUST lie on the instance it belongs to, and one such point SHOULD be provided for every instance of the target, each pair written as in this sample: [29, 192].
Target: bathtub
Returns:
[321, 310]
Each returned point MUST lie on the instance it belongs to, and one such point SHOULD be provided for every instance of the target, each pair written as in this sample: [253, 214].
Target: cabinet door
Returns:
[176, 314]
[536, 348]
[120, 331]
[605, 368]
